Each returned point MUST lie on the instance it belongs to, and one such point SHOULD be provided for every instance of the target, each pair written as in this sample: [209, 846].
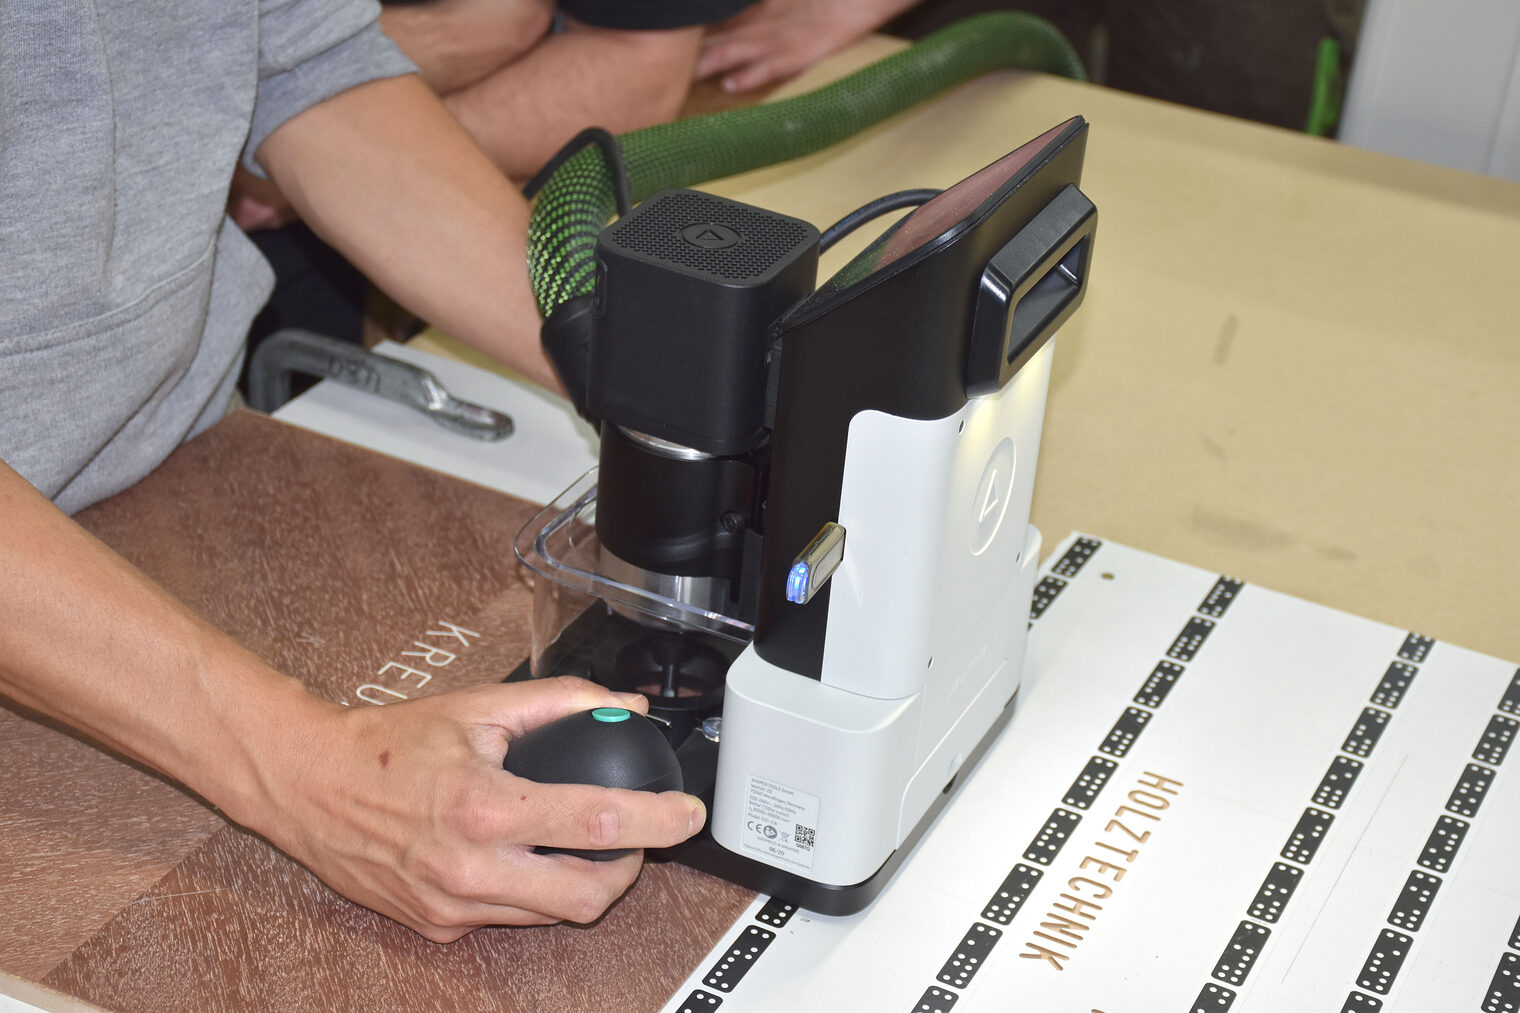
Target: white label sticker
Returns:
[780, 823]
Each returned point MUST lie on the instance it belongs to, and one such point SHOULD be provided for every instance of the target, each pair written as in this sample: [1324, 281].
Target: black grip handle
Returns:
[1029, 288]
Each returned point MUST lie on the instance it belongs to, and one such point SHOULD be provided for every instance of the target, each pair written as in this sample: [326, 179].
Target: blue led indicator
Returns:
[797, 582]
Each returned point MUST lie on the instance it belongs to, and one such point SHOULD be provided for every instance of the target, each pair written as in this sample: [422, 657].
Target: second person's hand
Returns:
[778, 39]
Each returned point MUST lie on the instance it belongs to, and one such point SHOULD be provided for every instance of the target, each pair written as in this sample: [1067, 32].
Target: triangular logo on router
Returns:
[990, 505]
[710, 235]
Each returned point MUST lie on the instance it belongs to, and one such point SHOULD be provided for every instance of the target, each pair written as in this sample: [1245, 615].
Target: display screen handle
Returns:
[1028, 290]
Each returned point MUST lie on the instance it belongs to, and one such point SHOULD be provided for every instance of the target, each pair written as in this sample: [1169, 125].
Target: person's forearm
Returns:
[581, 77]
[457, 42]
[388, 177]
[90, 641]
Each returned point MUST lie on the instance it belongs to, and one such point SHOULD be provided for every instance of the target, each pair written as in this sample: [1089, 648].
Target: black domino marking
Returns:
[1012, 894]
[1076, 557]
[1442, 845]
[969, 955]
[1395, 684]
[776, 913]
[1275, 892]
[1468, 795]
[735, 964]
[1052, 837]
[1384, 961]
[1190, 639]
[1361, 1002]
[1414, 901]
[935, 1000]
[1494, 745]
[1415, 648]
[699, 1002]
[1091, 781]
[1236, 960]
[1365, 734]
[1044, 593]
[1503, 995]
[1514, 938]
[1511, 702]
[1220, 596]
[1125, 731]
[1336, 784]
[1307, 836]
[1159, 683]
[1213, 999]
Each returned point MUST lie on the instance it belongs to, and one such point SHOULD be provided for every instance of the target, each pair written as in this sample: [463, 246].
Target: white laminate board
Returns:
[1246, 723]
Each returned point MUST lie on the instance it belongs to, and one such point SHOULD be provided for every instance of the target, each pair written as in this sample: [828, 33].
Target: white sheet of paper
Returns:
[1245, 735]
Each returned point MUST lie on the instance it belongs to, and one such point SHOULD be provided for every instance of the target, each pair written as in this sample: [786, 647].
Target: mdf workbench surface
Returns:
[1297, 362]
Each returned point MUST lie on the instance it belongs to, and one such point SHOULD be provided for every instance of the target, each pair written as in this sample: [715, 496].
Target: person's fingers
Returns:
[755, 75]
[518, 887]
[508, 915]
[521, 706]
[722, 53]
[480, 916]
[759, 55]
[588, 816]
[572, 889]
[500, 713]
[457, 920]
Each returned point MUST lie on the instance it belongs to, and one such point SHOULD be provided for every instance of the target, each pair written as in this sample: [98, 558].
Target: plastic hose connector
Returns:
[579, 199]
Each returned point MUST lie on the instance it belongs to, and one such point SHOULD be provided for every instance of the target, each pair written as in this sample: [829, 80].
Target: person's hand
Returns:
[406, 809]
[778, 39]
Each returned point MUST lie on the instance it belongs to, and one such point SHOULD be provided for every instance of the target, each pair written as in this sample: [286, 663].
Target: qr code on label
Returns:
[803, 837]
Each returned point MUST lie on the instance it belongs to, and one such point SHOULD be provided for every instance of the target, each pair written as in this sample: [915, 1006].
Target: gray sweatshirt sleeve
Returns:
[310, 50]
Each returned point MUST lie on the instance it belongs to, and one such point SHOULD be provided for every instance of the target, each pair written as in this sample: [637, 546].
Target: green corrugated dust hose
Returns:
[579, 199]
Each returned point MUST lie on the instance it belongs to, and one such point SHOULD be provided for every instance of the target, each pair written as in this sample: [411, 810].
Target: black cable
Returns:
[878, 207]
[611, 151]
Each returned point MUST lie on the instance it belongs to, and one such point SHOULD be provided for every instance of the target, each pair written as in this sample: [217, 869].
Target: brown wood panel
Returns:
[83, 834]
[241, 927]
[323, 558]
[327, 560]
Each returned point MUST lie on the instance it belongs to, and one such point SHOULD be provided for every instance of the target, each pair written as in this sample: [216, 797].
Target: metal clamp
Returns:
[298, 351]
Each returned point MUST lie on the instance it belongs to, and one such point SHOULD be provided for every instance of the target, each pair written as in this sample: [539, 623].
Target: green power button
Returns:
[611, 715]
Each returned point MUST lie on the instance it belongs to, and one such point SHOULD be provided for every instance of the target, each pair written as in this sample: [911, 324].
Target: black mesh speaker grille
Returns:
[654, 230]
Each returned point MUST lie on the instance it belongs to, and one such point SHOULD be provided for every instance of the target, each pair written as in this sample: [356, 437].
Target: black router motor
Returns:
[688, 287]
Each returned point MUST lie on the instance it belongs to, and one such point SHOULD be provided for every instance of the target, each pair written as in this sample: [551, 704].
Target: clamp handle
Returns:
[300, 351]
